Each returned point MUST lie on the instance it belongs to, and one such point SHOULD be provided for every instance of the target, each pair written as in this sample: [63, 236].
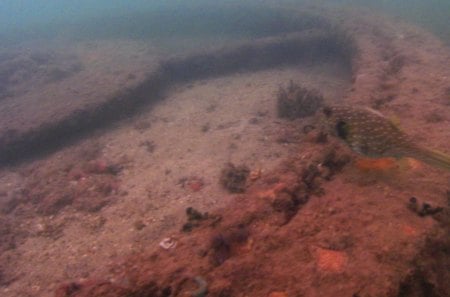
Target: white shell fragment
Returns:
[168, 243]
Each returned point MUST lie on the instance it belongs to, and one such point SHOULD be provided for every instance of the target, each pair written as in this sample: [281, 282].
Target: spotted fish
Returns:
[370, 133]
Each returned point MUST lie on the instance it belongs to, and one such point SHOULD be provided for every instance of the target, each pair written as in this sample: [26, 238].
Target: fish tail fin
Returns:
[433, 158]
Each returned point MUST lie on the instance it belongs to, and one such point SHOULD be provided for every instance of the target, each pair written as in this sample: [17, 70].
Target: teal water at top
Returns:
[27, 19]
[81, 19]
[22, 13]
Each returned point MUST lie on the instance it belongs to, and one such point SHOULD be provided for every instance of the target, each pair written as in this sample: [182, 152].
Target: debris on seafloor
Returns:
[297, 102]
[168, 243]
[195, 218]
[234, 178]
[423, 209]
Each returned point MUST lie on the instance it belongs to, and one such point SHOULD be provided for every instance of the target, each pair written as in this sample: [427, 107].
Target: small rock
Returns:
[139, 225]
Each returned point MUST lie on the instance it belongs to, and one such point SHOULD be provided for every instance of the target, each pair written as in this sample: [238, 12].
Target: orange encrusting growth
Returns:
[330, 260]
[381, 164]
[409, 230]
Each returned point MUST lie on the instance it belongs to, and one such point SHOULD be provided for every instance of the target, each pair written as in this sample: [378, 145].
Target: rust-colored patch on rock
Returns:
[381, 164]
[331, 261]
[278, 294]
[409, 231]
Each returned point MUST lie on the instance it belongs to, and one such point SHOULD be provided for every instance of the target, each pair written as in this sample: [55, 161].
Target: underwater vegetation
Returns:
[234, 178]
[296, 101]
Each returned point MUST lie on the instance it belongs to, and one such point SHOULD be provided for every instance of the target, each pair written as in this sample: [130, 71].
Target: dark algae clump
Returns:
[297, 102]
[423, 209]
[195, 218]
[234, 178]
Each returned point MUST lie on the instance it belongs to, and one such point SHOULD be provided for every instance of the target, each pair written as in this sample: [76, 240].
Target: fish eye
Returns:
[342, 129]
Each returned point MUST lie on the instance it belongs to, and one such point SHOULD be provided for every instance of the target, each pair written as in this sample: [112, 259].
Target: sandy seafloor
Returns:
[193, 132]
[188, 136]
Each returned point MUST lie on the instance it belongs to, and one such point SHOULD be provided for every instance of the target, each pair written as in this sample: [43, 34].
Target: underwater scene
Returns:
[225, 148]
